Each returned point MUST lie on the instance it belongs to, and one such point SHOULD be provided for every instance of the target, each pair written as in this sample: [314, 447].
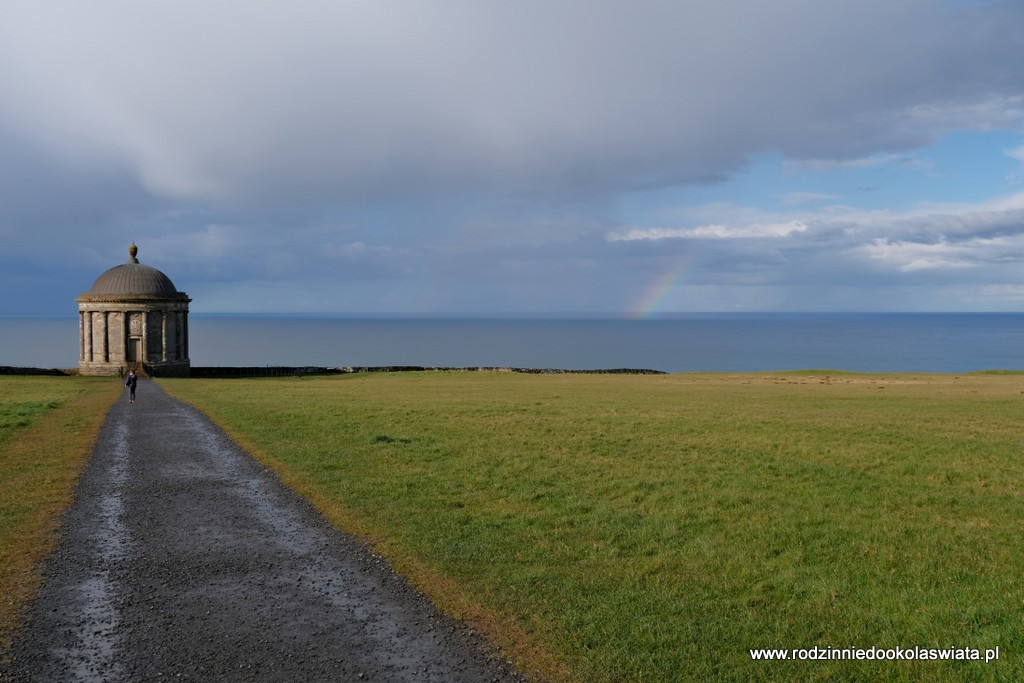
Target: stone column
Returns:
[81, 336]
[179, 347]
[163, 335]
[105, 345]
[126, 335]
[88, 338]
[144, 351]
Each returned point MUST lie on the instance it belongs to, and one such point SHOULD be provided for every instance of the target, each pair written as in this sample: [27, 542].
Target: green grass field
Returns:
[655, 528]
[47, 428]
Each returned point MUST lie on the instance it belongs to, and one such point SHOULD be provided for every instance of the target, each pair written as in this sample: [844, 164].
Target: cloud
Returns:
[834, 164]
[471, 155]
[801, 198]
[914, 256]
[1014, 292]
[715, 231]
[247, 102]
[1016, 153]
[837, 243]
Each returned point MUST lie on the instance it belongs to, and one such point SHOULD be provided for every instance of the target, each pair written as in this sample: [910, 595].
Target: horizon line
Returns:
[529, 315]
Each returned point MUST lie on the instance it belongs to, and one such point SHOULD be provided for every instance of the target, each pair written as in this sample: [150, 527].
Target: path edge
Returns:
[501, 637]
[72, 431]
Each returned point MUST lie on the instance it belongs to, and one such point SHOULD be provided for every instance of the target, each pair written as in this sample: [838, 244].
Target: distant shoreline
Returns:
[244, 372]
[298, 371]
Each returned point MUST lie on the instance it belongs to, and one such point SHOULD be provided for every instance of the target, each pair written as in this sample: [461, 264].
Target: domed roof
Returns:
[133, 278]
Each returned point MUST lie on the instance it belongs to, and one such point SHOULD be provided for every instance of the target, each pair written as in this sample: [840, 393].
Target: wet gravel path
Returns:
[182, 558]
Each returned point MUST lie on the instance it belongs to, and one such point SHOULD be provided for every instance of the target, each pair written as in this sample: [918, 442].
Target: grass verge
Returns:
[47, 428]
[651, 528]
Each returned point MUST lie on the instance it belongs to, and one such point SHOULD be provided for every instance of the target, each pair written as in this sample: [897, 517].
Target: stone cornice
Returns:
[91, 298]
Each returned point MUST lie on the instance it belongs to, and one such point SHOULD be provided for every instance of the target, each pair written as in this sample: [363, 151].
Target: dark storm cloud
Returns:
[238, 100]
[324, 142]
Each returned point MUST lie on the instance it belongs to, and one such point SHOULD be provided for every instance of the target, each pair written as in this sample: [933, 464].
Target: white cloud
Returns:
[914, 256]
[714, 231]
[823, 245]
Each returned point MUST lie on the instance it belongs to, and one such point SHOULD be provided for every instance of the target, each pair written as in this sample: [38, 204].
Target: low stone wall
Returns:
[285, 371]
[531, 371]
[13, 370]
[262, 371]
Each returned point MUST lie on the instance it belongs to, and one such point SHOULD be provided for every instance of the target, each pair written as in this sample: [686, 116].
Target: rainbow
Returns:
[657, 295]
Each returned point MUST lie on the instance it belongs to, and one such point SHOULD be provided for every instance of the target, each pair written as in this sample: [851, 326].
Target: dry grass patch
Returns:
[47, 428]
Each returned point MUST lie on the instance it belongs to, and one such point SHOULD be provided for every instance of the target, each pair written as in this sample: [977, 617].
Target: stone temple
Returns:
[133, 318]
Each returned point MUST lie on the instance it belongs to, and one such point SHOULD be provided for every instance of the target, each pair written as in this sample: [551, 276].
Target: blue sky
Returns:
[514, 157]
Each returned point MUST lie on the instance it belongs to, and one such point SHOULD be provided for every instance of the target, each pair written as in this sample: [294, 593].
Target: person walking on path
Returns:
[131, 383]
[183, 557]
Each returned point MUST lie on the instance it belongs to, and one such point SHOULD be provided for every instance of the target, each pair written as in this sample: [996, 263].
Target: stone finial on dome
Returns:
[132, 252]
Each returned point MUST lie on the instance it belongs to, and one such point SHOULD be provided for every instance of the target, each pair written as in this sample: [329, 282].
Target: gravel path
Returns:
[183, 558]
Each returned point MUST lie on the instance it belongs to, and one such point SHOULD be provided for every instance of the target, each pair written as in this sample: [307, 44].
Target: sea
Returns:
[748, 342]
